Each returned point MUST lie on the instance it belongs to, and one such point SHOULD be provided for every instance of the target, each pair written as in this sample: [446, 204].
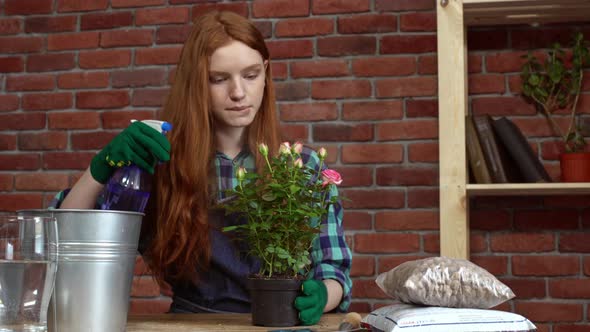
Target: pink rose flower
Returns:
[330, 176]
[298, 163]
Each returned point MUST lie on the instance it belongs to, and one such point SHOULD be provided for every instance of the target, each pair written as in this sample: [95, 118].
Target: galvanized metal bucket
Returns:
[96, 258]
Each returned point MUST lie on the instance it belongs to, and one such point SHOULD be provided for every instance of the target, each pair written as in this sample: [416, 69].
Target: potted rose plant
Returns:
[282, 206]
[555, 85]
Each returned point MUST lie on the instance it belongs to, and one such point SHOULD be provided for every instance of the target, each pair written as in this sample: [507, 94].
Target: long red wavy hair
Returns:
[177, 225]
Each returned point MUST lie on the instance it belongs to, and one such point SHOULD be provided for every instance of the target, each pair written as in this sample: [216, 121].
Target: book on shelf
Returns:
[502, 167]
[470, 176]
[477, 163]
[529, 165]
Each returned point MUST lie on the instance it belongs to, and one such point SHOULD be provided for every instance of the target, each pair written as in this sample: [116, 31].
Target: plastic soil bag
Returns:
[410, 318]
[444, 282]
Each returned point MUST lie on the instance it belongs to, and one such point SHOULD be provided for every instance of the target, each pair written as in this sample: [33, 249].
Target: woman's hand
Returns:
[311, 305]
[138, 144]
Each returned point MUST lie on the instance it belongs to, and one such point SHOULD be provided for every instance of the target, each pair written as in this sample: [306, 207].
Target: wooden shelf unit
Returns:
[453, 18]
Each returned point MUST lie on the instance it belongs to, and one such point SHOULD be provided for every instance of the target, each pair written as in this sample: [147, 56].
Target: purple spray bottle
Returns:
[130, 186]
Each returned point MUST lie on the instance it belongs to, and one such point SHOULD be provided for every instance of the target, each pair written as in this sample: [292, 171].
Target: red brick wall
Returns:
[356, 76]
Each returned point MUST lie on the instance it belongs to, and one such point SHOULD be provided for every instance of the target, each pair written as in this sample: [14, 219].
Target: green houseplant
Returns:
[282, 206]
[553, 85]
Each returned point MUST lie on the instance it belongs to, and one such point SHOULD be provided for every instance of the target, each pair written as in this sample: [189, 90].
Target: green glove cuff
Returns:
[138, 144]
[100, 170]
[311, 305]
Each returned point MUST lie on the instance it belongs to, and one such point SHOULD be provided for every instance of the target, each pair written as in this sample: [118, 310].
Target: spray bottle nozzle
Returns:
[161, 126]
[166, 126]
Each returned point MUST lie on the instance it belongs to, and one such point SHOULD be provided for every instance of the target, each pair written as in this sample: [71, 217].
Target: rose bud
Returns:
[285, 148]
[322, 153]
[263, 149]
[241, 173]
[297, 148]
[298, 163]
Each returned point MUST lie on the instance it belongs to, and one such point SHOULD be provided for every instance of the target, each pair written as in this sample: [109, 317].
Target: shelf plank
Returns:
[508, 189]
[502, 12]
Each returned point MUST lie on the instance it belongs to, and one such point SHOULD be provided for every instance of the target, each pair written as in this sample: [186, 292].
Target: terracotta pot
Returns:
[575, 167]
[272, 301]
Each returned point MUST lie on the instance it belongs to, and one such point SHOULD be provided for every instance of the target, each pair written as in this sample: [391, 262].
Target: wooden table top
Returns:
[217, 322]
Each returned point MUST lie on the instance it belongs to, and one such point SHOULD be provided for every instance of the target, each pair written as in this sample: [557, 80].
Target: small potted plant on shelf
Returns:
[282, 207]
[554, 85]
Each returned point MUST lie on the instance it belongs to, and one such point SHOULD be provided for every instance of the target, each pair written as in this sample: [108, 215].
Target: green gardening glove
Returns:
[138, 144]
[311, 304]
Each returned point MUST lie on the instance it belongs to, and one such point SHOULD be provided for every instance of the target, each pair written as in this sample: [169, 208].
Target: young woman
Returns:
[221, 105]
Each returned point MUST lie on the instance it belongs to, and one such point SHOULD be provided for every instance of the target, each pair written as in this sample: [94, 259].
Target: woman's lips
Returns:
[239, 108]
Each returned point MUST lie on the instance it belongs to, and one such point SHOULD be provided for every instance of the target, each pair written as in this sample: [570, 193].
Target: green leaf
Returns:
[269, 196]
[534, 80]
[527, 90]
[556, 72]
[294, 188]
[577, 61]
[283, 255]
[541, 92]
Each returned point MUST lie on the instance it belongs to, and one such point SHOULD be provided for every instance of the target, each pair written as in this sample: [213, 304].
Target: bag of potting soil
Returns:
[412, 318]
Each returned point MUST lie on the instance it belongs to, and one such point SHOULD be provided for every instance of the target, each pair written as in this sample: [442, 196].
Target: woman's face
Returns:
[236, 84]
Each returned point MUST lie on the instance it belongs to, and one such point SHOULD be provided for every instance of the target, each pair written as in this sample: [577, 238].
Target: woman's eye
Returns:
[216, 80]
[252, 76]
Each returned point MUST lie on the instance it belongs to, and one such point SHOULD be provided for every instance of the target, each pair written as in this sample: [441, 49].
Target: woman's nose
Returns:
[237, 90]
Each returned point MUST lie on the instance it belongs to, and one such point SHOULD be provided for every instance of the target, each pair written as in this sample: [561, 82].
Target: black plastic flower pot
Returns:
[272, 301]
